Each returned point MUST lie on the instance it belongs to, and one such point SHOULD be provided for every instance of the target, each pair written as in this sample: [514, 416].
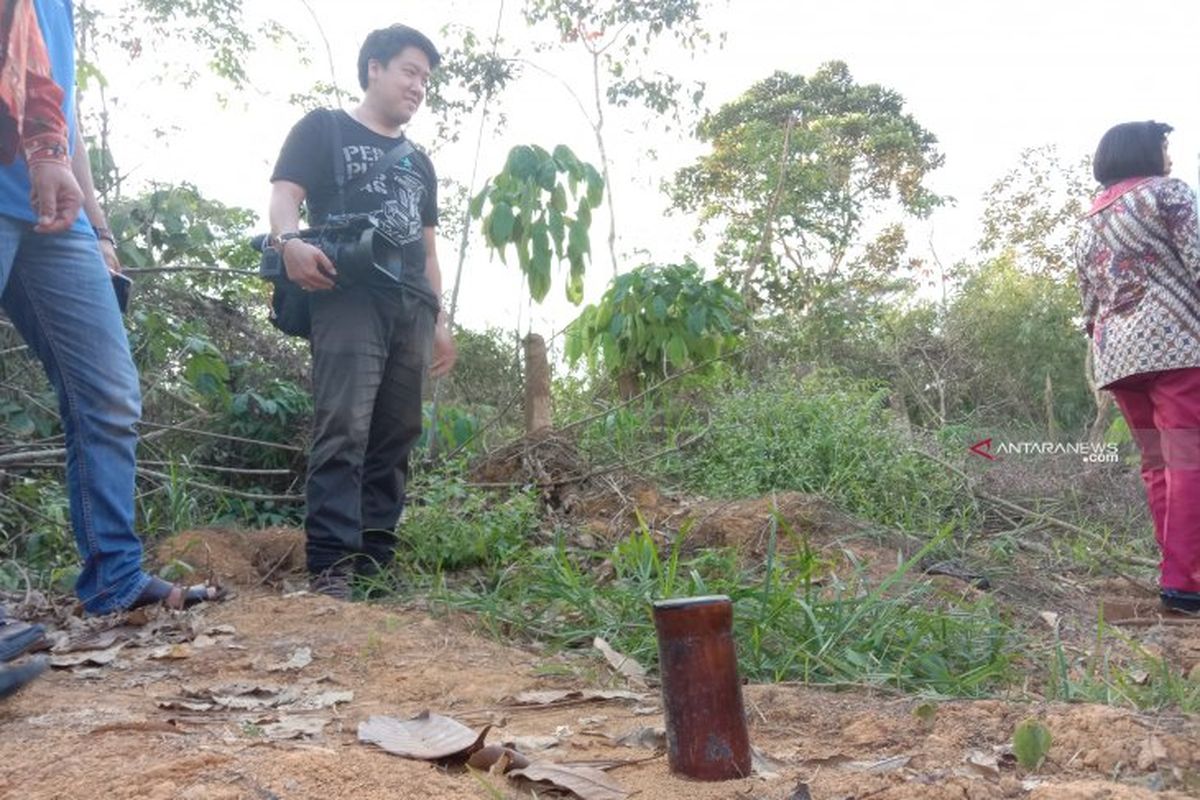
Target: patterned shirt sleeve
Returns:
[1087, 294]
[1178, 207]
[31, 115]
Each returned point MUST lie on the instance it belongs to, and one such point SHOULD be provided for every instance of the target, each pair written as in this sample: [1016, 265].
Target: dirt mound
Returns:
[237, 557]
[609, 504]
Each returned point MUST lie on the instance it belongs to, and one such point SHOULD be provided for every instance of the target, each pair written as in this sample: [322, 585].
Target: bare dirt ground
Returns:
[260, 697]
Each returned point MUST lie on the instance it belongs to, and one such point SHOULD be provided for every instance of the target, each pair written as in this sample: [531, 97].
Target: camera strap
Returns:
[390, 159]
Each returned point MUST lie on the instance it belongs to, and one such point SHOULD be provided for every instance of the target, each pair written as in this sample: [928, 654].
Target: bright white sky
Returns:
[987, 78]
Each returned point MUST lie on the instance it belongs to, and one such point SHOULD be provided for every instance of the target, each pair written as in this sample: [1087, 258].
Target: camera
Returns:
[355, 243]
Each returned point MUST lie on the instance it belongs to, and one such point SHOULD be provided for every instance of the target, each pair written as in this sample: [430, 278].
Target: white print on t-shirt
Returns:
[402, 185]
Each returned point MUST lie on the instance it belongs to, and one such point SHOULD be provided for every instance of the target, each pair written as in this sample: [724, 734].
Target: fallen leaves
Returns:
[586, 782]
[564, 697]
[427, 737]
[633, 672]
[298, 660]
[253, 697]
[433, 737]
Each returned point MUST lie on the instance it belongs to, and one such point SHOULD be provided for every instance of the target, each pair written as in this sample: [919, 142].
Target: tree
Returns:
[656, 318]
[1015, 331]
[1033, 211]
[798, 165]
[618, 36]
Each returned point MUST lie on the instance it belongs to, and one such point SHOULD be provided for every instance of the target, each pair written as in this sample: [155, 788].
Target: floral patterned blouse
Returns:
[1138, 261]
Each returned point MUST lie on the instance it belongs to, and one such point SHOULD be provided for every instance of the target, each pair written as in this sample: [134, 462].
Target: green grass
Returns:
[793, 620]
[1136, 678]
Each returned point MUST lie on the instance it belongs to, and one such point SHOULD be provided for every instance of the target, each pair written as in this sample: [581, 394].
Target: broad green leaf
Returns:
[547, 175]
[523, 162]
[677, 350]
[595, 191]
[476, 207]
[566, 158]
[501, 226]
[557, 230]
[558, 199]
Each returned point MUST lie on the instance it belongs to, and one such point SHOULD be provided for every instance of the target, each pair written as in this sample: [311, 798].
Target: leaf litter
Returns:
[433, 737]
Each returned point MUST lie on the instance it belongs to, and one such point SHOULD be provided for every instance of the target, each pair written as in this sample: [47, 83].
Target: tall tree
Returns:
[1033, 209]
[797, 169]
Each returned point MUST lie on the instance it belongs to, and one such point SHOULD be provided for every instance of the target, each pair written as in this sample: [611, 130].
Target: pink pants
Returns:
[1163, 412]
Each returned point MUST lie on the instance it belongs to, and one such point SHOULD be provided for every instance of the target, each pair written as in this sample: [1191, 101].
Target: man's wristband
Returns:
[279, 241]
[104, 234]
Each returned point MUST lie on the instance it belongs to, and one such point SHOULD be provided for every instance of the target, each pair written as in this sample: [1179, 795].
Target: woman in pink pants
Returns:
[1139, 276]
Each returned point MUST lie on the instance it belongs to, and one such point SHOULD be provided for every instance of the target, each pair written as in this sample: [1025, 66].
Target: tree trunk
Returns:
[537, 385]
[628, 384]
[1051, 422]
[1099, 427]
[1103, 400]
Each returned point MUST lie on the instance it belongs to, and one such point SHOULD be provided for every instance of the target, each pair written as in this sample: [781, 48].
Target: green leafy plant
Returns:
[454, 427]
[530, 208]
[1031, 744]
[654, 318]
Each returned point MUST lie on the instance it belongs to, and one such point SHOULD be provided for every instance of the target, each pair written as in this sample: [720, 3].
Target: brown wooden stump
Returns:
[702, 694]
[537, 385]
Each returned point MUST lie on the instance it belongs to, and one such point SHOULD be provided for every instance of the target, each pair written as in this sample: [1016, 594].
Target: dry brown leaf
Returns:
[185, 705]
[313, 702]
[634, 672]
[567, 697]
[494, 755]
[295, 728]
[98, 658]
[532, 744]
[585, 782]
[648, 737]
[90, 643]
[876, 767]
[764, 765]
[985, 764]
[254, 697]
[141, 726]
[171, 652]
[300, 659]
[428, 737]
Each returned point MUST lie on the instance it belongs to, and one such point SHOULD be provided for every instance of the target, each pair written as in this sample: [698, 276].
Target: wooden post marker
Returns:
[702, 695]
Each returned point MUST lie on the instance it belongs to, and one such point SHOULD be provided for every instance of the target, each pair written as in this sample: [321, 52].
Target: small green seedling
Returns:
[1031, 743]
[926, 713]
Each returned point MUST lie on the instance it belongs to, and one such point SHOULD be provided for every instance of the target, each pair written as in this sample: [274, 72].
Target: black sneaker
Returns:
[333, 582]
[15, 678]
[1180, 601]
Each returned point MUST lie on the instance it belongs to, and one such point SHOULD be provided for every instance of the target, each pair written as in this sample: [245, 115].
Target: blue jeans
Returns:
[58, 294]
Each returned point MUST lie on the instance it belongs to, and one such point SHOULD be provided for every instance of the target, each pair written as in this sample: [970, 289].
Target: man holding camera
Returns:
[372, 332]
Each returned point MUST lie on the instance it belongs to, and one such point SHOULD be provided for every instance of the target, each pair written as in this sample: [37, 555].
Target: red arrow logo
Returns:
[983, 448]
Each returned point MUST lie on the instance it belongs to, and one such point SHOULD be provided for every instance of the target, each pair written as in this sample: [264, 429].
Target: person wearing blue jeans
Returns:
[56, 272]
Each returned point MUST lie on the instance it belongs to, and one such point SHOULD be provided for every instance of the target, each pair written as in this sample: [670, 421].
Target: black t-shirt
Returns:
[404, 197]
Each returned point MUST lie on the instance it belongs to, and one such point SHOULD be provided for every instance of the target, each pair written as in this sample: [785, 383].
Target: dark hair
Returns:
[1130, 150]
[386, 43]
